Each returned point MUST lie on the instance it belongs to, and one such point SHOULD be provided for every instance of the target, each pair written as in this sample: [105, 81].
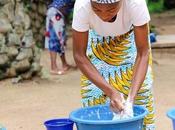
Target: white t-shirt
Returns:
[132, 12]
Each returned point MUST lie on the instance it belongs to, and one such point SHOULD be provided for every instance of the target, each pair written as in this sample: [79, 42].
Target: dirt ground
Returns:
[25, 106]
[164, 22]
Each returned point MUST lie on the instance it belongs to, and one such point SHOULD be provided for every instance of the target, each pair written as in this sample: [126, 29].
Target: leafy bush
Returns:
[155, 5]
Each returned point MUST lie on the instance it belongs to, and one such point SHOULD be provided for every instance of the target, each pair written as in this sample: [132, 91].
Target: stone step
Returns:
[164, 41]
[164, 47]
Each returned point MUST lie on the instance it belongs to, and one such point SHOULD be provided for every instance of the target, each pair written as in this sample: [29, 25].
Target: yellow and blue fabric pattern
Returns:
[114, 58]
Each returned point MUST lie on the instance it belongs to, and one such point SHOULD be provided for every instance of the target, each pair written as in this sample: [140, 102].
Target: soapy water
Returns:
[122, 115]
[103, 113]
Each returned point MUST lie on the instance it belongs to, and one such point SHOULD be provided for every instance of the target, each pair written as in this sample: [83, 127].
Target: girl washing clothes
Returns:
[112, 49]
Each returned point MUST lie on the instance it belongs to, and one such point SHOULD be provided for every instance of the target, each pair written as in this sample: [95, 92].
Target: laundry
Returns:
[126, 113]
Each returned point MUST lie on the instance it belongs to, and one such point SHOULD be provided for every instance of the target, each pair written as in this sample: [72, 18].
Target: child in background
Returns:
[55, 33]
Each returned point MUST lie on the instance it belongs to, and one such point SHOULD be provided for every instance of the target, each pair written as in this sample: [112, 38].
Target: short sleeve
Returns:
[139, 13]
[80, 20]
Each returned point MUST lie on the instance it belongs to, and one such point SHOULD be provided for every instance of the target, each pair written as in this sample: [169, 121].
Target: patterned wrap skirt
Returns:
[114, 58]
[55, 31]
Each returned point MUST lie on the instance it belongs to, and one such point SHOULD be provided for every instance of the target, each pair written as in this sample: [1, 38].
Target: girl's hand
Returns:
[116, 102]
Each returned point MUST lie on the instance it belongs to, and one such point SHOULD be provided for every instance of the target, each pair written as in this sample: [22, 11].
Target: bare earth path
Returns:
[25, 106]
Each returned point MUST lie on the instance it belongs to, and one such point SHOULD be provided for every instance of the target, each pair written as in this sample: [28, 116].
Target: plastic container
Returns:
[2, 128]
[152, 37]
[59, 124]
[171, 115]
[100, 118]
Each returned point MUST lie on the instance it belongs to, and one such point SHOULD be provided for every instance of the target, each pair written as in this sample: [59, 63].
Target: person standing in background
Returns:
[55, 40]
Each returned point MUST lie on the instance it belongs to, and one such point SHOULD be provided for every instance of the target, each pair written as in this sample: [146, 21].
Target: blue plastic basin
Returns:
[171, 115]
[59, 124]
[2, 128]
[100, 118]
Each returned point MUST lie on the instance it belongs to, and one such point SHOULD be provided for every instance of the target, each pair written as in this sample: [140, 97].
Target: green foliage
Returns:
[155, 5]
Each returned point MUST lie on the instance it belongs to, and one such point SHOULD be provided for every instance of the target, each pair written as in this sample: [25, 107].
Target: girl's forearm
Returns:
[139, 73]
[93, 75]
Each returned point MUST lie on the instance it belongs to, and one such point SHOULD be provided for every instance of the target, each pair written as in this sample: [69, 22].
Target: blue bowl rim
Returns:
[2, 128]
[70, 122]
[170, 113]
[77, 120]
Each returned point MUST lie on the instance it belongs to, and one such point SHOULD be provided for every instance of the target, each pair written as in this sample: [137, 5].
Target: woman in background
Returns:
[56, 35]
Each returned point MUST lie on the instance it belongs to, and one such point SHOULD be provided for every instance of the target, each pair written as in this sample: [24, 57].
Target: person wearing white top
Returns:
[111, 47]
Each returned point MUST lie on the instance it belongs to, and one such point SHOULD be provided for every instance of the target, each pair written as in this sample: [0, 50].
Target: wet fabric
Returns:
[126, 113]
